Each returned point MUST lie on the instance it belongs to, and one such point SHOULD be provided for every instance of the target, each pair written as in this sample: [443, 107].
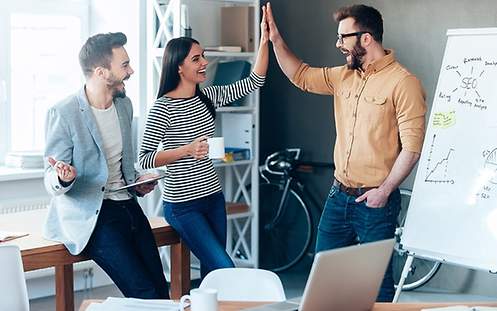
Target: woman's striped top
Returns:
[175, 122]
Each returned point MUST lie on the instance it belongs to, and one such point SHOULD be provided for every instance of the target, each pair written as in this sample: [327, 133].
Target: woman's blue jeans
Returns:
[345, 222]
[202, 223]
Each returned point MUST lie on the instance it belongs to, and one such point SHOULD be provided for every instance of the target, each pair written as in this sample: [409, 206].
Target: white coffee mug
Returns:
[216, 147]
[200, 299]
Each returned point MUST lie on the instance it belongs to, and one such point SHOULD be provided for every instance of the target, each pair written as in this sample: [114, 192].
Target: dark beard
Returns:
[119, 94]
[357, 55]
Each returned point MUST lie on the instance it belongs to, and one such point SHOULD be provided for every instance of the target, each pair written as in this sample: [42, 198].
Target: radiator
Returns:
[24, 205]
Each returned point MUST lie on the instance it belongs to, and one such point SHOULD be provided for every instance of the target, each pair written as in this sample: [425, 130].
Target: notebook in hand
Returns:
[141, 182]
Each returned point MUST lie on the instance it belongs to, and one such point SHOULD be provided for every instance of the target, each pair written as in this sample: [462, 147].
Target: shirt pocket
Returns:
[374, 110]
[375, 100]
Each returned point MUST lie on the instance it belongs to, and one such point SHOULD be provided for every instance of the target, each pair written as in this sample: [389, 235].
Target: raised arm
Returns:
[289, 62]
[262, 60]
[225, 94]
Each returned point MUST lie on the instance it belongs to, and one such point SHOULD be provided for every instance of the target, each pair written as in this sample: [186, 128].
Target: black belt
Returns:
[356, 192]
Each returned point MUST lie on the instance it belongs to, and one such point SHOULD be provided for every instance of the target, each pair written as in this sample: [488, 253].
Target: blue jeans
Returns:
[123, 245]
[345, 222]
[202, 223]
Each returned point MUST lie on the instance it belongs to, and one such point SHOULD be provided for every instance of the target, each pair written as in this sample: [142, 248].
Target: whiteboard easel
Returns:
[452, 216]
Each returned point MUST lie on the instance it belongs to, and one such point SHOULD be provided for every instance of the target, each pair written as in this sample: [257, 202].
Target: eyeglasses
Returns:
[358, 34]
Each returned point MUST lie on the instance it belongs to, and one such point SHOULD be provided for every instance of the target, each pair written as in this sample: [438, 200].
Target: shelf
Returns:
[237, 208]
[234, 163]
[235, 109]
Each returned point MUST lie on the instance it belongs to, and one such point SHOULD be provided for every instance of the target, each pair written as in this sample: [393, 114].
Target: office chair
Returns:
[245, 284]
[12, 282]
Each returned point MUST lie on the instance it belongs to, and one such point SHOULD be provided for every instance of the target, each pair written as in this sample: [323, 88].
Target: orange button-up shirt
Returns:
[378, 112]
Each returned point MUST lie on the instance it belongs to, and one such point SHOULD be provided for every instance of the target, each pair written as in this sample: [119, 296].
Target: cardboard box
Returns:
[237, 27]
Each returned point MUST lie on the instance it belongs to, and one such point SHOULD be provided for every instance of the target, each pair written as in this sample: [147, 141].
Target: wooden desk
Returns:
[38, 253]
[236, 305]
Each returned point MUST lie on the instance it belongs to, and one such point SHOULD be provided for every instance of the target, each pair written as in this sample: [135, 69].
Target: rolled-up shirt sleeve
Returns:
[314, 79]
[410, 106]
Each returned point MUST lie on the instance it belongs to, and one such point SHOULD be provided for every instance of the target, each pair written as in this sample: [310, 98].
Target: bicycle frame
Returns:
[286, 164]
[287, 195]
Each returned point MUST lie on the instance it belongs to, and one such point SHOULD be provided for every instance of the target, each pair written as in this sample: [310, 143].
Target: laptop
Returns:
[346, 278]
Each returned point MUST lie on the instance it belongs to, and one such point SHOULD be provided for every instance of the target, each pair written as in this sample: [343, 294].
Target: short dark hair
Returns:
[97, 51]
[366, 18]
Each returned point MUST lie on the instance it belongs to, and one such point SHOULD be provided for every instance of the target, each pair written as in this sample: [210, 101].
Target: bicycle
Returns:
[285, 232]
[286, 226]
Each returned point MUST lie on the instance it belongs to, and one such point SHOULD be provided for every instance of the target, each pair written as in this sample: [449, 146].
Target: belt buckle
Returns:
[351, 191]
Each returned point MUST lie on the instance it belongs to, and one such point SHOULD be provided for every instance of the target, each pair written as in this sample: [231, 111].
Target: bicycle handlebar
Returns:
[288, 160]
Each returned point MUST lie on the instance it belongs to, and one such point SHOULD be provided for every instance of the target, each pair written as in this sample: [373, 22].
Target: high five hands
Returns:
[264, 26]
[268, 25]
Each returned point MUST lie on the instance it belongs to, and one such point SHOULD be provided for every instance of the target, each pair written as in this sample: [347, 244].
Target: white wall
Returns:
[105, 16]
[124, 16]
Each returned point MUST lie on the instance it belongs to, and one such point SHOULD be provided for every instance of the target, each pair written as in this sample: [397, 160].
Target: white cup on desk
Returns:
[200, 299]
[216, 147]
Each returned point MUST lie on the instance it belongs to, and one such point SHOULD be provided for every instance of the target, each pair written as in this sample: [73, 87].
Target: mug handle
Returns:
[182, 301]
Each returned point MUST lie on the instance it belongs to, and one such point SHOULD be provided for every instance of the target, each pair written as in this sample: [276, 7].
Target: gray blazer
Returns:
[72, 136]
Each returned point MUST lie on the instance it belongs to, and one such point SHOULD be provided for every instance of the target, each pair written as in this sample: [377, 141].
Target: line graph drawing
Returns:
[491, 165]
[439, 171]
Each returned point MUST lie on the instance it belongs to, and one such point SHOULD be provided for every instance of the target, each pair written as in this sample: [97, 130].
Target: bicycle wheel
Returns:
[422, 270]
[284, 242]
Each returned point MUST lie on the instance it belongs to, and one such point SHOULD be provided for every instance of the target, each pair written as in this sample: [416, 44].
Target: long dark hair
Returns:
[174, 55]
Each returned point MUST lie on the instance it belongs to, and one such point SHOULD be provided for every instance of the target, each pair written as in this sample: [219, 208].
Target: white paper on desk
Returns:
[462, 308]
[130, 304]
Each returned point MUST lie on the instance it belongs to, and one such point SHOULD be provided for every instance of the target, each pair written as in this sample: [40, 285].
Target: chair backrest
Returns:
[244, 284]
[12, 282]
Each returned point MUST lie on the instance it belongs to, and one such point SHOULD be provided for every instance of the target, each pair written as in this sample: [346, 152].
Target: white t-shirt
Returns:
[110, 131]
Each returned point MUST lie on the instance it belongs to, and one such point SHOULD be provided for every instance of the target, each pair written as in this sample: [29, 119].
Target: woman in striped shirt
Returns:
[181, 120]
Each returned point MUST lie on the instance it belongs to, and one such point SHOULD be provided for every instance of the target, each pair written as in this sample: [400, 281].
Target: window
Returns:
[38, 66]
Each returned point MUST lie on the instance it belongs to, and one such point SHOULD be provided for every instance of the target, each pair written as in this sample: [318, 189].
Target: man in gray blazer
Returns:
[89, 154]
